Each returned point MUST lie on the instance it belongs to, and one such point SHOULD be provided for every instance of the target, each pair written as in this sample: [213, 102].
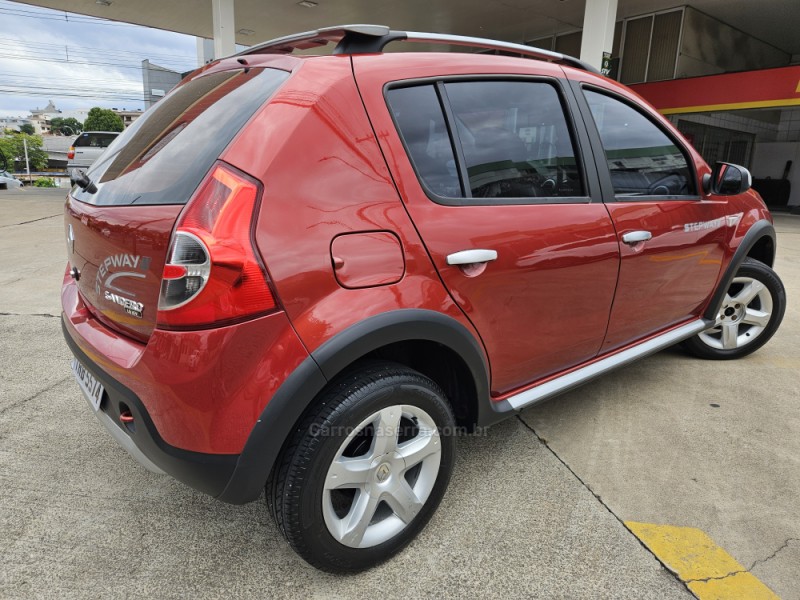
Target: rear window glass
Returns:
[513, 138]
[421, 122]
[162, 157]
[95, 140]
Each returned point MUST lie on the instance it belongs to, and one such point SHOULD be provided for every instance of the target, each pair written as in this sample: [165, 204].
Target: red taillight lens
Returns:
[213, 275]
[71, 153]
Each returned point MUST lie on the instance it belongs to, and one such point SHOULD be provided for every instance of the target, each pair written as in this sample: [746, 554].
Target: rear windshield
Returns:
[95, 140]
[162, 157]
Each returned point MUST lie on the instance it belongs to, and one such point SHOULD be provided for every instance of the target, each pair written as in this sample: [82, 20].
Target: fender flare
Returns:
[757, 231]
[283, 412]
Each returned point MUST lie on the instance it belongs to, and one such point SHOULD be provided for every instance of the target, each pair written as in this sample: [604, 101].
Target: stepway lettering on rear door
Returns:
[107, 277]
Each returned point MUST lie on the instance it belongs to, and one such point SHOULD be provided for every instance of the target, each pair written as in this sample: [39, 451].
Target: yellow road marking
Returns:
[708, 571]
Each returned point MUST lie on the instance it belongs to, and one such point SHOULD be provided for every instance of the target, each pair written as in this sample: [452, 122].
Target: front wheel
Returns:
[750, 315]
[366, 470]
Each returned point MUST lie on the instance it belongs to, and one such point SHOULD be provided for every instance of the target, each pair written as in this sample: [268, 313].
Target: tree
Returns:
[13, 148]
[73, 123]
[68, 126]
[27, 128]
[103, 119]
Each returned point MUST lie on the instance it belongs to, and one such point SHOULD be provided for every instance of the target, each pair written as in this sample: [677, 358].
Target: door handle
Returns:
[634, 237]
[470, 257]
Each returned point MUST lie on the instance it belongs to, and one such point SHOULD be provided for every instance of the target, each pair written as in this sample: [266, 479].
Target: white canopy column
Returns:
[224, 31]
[598, 30]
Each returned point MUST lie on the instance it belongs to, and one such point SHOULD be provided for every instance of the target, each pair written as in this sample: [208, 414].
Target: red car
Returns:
[309, 273]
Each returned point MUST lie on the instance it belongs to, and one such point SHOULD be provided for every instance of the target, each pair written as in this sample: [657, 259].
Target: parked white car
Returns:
[88, 147]
[8, 181]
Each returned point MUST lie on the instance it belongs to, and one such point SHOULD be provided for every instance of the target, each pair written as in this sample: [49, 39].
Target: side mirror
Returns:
[728, 179]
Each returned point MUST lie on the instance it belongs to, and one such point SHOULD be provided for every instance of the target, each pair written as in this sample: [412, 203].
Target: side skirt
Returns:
[584, 374]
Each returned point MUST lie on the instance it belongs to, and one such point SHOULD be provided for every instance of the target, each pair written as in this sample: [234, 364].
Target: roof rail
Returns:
[367, 39]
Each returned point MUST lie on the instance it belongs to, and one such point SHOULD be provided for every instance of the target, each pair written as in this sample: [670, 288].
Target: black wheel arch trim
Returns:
[286, 408]
[758, 231]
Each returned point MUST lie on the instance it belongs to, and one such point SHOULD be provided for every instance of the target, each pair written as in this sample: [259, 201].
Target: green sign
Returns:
[605, 67]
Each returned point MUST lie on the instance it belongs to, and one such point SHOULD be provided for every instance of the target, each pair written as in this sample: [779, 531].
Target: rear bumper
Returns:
[196, 397]
[208, 473]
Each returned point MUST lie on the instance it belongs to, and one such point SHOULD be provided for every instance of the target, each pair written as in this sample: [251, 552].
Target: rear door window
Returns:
[162, 157]
[420, 119]
[488, 140]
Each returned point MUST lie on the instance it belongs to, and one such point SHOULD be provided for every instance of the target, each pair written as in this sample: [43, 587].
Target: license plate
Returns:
[91, 388]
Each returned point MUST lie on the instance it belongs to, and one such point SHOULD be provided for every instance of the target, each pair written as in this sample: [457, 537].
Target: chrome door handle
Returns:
[470, 257]
[634, 237]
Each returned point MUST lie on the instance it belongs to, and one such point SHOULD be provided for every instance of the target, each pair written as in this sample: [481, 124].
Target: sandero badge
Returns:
[302, 274]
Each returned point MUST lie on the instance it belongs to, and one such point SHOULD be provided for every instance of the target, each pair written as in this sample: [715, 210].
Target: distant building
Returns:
[79, 114]
[40, 117]
[127, 116]
[13, 123]
[157, 81]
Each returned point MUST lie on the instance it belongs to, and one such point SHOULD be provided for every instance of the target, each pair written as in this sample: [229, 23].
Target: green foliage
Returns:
[68, 126]
[27, 128]
[12, 147]
[103, 119]
[45, 182]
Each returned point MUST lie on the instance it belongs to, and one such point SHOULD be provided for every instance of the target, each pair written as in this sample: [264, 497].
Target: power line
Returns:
[72, 62]
[63, 54]
[60, 89]
[7, 77]
[72, 95]
[15, 43]
[68, 17]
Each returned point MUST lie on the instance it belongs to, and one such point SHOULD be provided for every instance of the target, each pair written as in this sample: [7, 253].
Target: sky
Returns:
[79, 62]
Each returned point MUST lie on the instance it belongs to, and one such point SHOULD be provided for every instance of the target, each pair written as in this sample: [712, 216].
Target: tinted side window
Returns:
[420, 120]
[515, 139]
[642, 159]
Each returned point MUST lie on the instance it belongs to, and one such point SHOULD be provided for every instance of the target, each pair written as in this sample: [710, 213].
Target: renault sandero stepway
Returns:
[306, 274]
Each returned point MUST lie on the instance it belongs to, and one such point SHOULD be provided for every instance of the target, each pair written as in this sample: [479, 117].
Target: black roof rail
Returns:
[367, 39]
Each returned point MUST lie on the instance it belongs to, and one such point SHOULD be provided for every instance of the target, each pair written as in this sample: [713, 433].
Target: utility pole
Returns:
[27, 164]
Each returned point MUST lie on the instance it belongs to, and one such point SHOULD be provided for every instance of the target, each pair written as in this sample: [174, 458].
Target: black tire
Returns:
[736, 326]
[299, 492]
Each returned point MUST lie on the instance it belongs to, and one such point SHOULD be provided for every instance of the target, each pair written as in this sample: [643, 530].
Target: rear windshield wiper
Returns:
[78, 177]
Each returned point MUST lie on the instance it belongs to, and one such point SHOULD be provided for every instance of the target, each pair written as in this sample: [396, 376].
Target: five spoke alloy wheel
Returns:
[373, 495]
[749, 316]
[366, 468]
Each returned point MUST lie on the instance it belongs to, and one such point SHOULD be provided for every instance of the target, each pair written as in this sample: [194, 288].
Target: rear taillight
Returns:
[70, 153]
[213, 274]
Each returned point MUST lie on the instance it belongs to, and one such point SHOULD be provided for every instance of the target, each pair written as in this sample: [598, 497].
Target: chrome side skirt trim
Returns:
[581, 376]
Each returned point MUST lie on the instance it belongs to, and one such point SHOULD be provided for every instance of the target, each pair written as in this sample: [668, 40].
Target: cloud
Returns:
[44, 56]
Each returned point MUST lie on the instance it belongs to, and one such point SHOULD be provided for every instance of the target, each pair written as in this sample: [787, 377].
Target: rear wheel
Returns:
[366, 470]
[750, 314]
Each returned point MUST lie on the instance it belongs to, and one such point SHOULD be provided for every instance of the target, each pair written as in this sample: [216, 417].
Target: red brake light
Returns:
[174, 271]
[213, 274]
[71, 153]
